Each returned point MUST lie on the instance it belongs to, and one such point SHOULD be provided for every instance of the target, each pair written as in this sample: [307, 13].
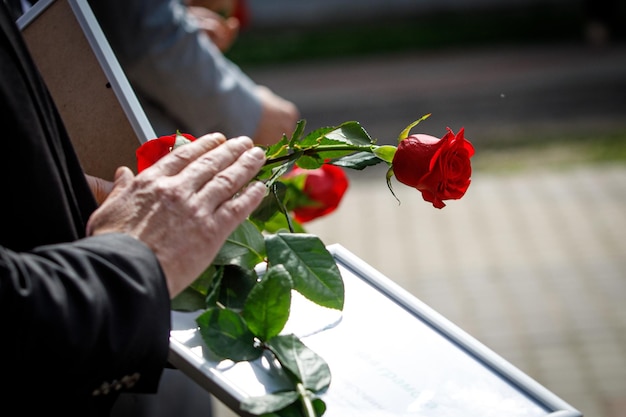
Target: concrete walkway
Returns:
[533, 263]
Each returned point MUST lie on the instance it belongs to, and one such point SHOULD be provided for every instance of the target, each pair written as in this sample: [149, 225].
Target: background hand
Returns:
[278, 116]
[223, 31]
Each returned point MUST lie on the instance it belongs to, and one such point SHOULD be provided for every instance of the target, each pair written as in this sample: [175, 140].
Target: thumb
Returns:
[123, 177]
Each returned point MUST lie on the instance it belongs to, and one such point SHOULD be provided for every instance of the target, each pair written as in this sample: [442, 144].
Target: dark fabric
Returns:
[51, 193]
[15, 8]
[78, 314]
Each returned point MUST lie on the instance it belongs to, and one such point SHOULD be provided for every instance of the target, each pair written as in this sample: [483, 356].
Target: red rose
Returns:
[155, 149]
[325, 186]
[242, 13]
[439, 168]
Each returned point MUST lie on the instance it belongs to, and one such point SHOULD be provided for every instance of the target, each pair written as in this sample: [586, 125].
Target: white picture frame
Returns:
[426, 367]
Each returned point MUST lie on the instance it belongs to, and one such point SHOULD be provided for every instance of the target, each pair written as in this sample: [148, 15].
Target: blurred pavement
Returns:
[532, 263]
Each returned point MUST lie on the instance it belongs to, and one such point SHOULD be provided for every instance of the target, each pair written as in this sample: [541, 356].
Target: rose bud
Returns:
[153, 150]
[439, 168]
[324, 187]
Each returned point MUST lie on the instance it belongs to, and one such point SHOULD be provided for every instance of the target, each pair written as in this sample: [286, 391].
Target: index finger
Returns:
[214, 162]
[179, 158]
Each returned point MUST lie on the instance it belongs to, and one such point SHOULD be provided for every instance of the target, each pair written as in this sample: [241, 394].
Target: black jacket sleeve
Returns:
[85, 317]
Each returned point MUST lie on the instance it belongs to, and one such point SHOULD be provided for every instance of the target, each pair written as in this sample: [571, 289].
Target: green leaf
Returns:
[279, 224]
[227, 335]
[310, 162]
[358, 160]
[205, 280]
[405, 133]
[278, 149]
[235, 286]
[278, 172]
[267, 307]
[244, 247]
[189, 299]
[267, 172]
[314, 138]
[194, 297]
[313, 269]
[295, 409]
[212, 297]
[350, 132]
[269, 403]
[306, 365]
[295, 136]
[274, 215]
[271, 203]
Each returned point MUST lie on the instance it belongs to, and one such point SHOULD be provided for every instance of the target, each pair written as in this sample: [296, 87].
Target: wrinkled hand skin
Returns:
[184, 206]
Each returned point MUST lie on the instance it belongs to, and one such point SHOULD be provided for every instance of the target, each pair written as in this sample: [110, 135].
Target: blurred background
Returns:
[532, 261]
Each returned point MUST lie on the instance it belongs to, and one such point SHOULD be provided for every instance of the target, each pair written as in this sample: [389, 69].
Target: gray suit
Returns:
[182, 79]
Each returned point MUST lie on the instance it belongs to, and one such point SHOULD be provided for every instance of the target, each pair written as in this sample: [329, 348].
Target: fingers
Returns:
[231, 179]
[216, 163]
[174, 162]
[211, 169]
[195, 164]
[185, 205]
[233, 211]
[122, 176]
[122, 179]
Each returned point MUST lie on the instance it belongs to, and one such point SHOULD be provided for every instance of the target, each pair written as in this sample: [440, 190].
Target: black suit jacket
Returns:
[81, 319]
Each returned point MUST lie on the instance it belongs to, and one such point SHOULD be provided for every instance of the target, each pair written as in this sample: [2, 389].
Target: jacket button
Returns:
[129, 381]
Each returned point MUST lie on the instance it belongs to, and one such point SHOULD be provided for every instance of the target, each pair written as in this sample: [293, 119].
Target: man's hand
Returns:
[185, 205]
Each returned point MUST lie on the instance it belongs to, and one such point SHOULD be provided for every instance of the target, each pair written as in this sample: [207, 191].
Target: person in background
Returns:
[85, 288]
[182, 78]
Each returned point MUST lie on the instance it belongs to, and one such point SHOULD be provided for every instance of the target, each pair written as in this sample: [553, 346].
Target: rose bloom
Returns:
[325, 186]
[153, 150]
[439, 168]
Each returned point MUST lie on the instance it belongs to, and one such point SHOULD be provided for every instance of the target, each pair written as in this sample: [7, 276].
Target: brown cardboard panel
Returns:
[100, 130]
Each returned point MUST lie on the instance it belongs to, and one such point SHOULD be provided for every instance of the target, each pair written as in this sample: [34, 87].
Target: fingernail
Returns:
[213, 135]
[257, 152]
[260, 185]
[242, 138]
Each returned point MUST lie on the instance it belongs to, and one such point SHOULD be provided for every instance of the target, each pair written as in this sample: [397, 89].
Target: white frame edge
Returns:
[456, 335]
